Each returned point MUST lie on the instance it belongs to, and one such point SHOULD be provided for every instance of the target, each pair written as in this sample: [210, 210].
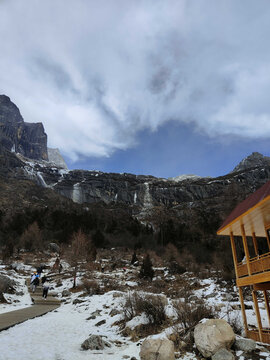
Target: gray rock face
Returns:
[55, 157]
[54, 247]
[245, 345]
[6, 284]
[28, 139]
[223, 354]
[254, 160]
[95, 342]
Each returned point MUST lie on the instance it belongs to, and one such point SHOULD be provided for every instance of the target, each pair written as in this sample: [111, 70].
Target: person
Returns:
[33, 276]
[39, 270]
[43, 279]
[35, 283]
[45, 289]
[60, 268]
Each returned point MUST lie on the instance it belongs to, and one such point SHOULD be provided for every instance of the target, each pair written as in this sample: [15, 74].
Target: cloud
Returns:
[98, 72]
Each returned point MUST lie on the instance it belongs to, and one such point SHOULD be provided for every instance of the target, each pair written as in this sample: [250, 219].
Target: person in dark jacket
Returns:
[45, 289]
[35, 283]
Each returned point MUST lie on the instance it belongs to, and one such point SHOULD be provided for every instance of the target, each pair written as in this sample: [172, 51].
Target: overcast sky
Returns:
[158, 87]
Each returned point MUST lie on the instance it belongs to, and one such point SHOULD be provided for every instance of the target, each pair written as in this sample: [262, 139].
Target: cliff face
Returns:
[28, 139]
[144, 195]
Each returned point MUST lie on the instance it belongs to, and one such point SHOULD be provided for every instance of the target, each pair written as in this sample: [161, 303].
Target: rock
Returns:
[102, 322]
[54, 247]
[3, 300]
[19, 293]
[213, 335]
[77, 301]
[66, 293]
[7, 285]
[28, 139]
[209, 296]
[95, 342]
[55, 157]
[59, 283]
[157, 349]
[245, 345]
[223, 354]
[114, 312]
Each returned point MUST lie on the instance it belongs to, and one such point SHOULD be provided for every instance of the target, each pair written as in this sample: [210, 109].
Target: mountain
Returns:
[186, 210]
[254, 160]
[28, 139]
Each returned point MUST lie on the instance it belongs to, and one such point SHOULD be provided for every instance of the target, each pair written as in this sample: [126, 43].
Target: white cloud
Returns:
[97, 72]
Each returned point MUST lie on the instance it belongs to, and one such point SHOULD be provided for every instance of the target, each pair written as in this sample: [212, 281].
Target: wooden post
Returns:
[255, 244]
[245, 248]
[243, 309]
[267, 238]
[234, 253]
[267, 305]
[257, 311]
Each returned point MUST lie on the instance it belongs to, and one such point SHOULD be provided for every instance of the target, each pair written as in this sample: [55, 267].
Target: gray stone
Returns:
[102, 322]
[54, 247]
[213, 335]
[114, 312]
[95, 342]
[157, 349]
[245, 345]
[223, 354]
[7, 285]
[77, 301]
[66, 293]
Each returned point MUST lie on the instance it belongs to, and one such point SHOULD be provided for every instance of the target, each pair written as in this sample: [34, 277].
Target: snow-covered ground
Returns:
[58, 335]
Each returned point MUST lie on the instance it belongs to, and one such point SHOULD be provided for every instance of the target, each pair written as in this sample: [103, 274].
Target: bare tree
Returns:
[81, 249]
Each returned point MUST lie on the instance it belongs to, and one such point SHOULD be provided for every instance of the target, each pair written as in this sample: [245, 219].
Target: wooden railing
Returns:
[258, 264]
[254, 335]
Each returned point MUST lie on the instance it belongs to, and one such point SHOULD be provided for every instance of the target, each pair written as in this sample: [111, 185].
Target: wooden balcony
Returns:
[254, 335]
[258, 264]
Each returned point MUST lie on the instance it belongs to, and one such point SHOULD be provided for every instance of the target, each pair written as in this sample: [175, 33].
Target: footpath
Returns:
[40, 307]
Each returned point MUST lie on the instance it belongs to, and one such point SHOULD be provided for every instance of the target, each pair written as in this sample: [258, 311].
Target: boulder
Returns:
[7, 285]
[213, 335]
[157, 349]
[54, 247]
[66, 293]
[95, 342]
[223, 354]
[245, 345]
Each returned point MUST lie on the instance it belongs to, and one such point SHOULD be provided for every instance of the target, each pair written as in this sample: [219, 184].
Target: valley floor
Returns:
[58, 335]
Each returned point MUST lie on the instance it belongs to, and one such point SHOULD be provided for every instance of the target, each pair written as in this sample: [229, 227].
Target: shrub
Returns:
[147, 271]
[91, 287]
[188, 315]
[31, 239]
[151, 305]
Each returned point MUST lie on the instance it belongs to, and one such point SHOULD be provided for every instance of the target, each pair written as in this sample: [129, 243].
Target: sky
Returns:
[161, 87]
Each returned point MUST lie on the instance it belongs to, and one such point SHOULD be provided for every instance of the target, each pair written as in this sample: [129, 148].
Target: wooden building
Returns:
[248, 227]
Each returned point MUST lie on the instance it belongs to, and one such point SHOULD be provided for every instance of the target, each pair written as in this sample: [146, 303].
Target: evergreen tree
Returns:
[147, 271]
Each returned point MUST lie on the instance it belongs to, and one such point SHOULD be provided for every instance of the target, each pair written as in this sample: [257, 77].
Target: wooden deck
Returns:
[254, 335]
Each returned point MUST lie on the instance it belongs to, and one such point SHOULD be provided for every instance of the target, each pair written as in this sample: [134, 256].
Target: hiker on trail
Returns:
[60, 268]
[33, 276]
[39, 270]
[35, 283]
[46, 286]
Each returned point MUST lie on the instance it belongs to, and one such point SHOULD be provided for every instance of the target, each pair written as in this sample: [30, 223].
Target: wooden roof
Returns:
[253, 213]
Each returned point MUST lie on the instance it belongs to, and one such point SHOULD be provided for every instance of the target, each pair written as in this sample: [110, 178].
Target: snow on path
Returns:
[59, 334]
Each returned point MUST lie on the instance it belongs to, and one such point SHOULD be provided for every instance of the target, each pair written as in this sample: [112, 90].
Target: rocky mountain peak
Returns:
[254, 160]
[28, 139]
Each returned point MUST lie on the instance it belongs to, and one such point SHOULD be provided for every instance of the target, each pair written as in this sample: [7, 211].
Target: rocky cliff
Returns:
[144, 195]
[28, 139]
